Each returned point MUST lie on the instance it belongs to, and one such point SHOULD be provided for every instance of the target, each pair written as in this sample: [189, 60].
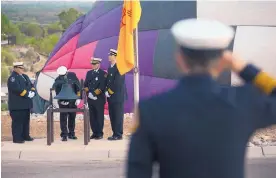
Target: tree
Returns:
[31, 29]
[5, 24]
[7, 57]
[66, 18]
[54, 28]
[4, 73]
[47, 44]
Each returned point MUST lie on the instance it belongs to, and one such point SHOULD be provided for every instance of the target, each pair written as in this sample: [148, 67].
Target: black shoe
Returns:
[73, 137]
[98, 137]
[18, 141]
[93, 136]
[115, 138]
[29, 139]
[64, 139]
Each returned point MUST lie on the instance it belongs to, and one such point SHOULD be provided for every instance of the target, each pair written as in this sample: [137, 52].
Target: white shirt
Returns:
[112, 65]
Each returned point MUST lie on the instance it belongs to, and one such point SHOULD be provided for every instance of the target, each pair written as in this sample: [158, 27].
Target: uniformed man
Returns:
[71, 116]
[194, 130]
[95, 82]
[21, 92]
[115, 93]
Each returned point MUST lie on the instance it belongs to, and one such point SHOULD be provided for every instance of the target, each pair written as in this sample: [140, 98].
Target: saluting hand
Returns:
[233, 62]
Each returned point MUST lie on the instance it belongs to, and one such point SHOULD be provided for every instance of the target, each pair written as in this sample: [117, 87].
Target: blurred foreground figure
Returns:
[64, 75]
[21, 92]
[194, 130]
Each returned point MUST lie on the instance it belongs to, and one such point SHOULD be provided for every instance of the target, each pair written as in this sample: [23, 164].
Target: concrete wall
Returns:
[255, 21]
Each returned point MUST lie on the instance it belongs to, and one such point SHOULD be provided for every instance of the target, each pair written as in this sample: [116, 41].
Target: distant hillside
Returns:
[42, 12]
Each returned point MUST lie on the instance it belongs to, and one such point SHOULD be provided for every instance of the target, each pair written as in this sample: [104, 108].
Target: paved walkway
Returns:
[96, 150]
[70, 150]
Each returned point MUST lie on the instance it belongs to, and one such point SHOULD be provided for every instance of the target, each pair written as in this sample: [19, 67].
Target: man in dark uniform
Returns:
[115, 93]
[21, 92]
[59, 81]
[95, 82]
[194, 130]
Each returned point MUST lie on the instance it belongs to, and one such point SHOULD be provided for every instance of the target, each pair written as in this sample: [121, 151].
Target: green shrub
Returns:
[4, 107]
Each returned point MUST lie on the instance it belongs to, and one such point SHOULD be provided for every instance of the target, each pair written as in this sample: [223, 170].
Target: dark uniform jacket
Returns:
[95, 82]
[72, 79]
[116, 86]
[19, 87]
[195, 131]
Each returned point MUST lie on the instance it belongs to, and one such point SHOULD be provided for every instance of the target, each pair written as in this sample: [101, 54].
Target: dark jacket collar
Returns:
[198, 81]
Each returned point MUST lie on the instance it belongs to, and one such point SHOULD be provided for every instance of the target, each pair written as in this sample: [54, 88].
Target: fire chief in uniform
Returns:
[21, 92]
[208, 131]
[115, 93]
[95, 82]
[70, 116]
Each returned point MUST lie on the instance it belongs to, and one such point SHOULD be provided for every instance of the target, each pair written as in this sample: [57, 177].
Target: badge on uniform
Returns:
[96, 78]
[105, 75]
[12, 79]
[110, 74]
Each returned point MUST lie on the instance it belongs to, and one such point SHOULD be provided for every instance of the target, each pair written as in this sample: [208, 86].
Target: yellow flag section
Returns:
[131, 14]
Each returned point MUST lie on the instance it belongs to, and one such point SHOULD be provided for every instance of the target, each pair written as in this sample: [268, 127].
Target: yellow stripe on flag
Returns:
[131, 14]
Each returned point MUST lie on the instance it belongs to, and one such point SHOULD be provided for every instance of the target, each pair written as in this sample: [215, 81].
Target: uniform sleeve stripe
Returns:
[23, 93]
[78, 93]
[110, 91]
[265, 82]
[97, 91]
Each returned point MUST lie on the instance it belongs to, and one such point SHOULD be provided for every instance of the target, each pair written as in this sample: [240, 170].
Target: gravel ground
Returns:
[39, 127]
[262, 137]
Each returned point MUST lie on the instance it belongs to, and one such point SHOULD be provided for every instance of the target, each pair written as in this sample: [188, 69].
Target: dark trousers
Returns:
[116, 114]
[96, 112]
[71, 117]
[20, 124]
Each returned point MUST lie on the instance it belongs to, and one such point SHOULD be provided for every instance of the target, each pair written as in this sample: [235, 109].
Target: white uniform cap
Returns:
[62, 70]
[202, 34]
[113, 52]
[15, 64]
[96, 60]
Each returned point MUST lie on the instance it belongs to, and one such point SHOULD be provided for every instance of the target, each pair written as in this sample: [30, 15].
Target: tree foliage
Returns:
[7, 58]
[41, 38]
[31, 29]
[4, 73]
[54, 28]
[66, 18]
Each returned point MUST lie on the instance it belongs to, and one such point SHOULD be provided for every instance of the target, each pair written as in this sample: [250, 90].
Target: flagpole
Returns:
[136, 68]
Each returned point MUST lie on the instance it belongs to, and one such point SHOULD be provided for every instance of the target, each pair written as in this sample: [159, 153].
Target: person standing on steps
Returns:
[115, 93]
[70, 116]
[94, 85]
[21, 91]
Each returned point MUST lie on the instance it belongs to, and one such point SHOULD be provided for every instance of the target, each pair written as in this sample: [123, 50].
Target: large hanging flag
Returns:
[131, 14]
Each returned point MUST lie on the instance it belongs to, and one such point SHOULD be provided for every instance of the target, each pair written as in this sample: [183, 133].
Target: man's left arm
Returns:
[102, 85]
[141, 153]
[29, 80]
[76, 84]
[118, 81]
